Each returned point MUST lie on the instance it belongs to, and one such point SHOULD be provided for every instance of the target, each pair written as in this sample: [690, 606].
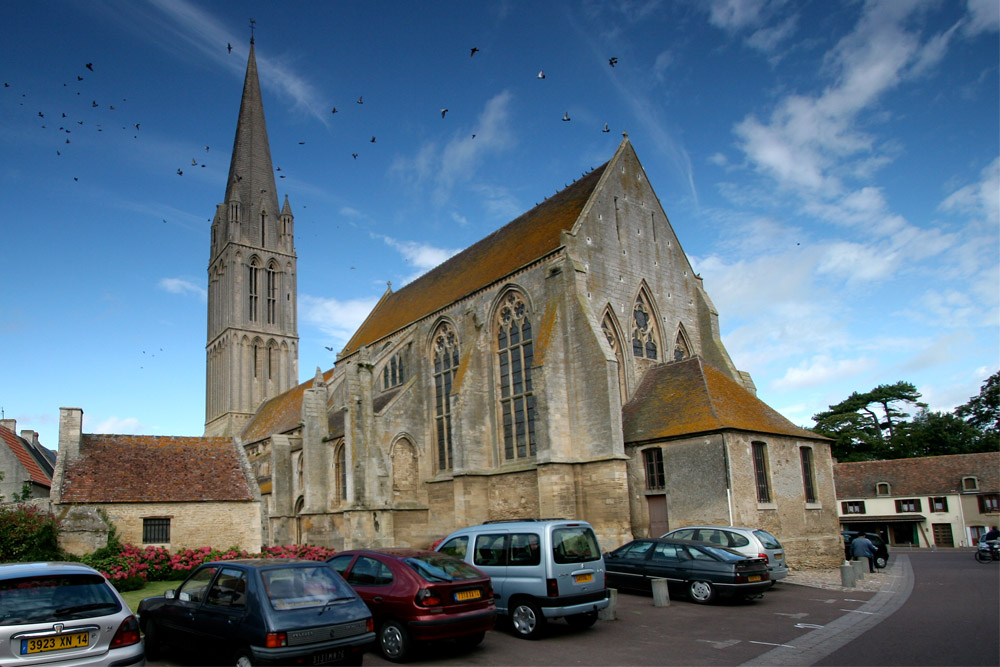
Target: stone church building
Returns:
[567, 365]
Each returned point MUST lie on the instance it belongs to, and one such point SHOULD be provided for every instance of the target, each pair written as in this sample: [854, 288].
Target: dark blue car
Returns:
[260, 612]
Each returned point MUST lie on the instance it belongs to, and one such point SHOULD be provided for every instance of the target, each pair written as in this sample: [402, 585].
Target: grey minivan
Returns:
[540, 570]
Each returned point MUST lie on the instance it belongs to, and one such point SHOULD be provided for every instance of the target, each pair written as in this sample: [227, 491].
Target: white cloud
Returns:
[984, 16]
[115, 425]
[420, 255]
[664, 61]
[734, 15]
[981, 199]
[821, 370]
[335, 318]
[180, 286]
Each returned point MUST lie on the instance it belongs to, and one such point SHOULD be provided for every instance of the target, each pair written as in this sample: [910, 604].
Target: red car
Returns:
[417, 595]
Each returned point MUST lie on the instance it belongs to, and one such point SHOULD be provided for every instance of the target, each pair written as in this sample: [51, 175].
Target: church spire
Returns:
[251, 182]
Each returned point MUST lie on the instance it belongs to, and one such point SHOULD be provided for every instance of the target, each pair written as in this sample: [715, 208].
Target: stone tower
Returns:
[252, 349]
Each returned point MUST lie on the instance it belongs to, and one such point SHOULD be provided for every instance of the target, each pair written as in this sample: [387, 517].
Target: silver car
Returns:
[64, 614]
[747, 541]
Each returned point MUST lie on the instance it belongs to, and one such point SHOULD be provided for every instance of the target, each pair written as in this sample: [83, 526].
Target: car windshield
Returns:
[298, 587]
[574, 544]
[767, 539]
[64, 597]
[441, 567]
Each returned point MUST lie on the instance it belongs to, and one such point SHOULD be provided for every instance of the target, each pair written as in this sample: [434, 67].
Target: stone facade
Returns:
[25, 465]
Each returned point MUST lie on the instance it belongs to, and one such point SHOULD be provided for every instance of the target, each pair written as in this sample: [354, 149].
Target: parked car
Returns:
[540, 570]
[64, 614]
[417, 595]
[260, 612]
[747, 541]
[881, 548]
[699, 570]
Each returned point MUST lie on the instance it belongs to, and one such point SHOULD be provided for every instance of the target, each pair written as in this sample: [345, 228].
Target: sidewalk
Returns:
[830, 579]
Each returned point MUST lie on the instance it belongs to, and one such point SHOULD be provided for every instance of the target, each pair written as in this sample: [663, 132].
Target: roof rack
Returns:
[555, 518]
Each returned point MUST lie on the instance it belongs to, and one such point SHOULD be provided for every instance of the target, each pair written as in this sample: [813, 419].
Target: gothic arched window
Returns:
[515, 357]
[611, 333]
[446, 357]
[253, 285]
[393, 373]
[272, 293]
[644, 332]
[681, 348]
[341, 474]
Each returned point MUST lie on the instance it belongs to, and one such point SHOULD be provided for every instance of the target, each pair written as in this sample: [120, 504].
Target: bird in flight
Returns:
[613, 61]
[361, 101]
[194, 163]
[605, 128]
[329, 348]
[229, 46]
[566, 116]
[541, 74]
[333, 110]
[354, 155]
[443, 112]
[473, 51]
[90, 66]
[373, 140]
[180, 173]
[302, 143]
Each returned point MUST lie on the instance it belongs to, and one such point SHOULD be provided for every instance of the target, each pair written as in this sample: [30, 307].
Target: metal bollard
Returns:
[661, 595]
[610, 613]
[847, 577]
[860, 567]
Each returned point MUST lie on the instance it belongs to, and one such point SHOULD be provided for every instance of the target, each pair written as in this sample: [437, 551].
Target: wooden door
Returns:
[657, 515]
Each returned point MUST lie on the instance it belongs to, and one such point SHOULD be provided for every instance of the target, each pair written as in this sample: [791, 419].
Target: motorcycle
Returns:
[988, 552]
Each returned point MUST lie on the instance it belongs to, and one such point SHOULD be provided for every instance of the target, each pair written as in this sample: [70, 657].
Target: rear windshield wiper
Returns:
[84, 607]
[333, 601]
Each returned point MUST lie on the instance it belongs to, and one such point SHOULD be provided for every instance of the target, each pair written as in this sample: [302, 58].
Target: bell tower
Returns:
[252, 350]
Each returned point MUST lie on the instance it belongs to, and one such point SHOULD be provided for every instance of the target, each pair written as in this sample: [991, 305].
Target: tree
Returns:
[864, 426]
[936, 434]
[983, 413]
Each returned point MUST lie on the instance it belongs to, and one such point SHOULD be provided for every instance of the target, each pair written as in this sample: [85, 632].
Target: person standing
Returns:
[862, 547]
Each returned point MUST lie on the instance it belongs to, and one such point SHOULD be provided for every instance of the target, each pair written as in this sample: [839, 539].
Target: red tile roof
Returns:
[149, 468]
[520, 242]
[687, 397]
[925, 475]
[19, 448]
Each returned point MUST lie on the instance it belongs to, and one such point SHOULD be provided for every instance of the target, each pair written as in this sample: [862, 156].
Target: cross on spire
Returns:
[253, 24]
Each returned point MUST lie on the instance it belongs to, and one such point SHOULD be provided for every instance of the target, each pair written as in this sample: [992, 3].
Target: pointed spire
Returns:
[251, 177]
[285, 208]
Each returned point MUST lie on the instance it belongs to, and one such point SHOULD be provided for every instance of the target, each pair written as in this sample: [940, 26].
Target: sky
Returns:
[832, 170]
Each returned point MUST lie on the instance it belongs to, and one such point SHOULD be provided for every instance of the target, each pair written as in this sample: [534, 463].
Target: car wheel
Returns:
[470, 641]
[582, 621]
[527, 619]
[880, 562]
[151, 641]
[393, 641]
[243, 660]
[701, 592]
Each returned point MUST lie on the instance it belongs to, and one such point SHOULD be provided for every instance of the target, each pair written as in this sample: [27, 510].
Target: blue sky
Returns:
[832, 169]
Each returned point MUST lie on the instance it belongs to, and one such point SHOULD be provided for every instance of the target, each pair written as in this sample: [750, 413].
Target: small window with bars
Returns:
[808, 475]
[653, 461]
[760, 472]
[156, 531]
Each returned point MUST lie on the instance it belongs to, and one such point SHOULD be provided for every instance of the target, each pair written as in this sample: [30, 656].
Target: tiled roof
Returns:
[687, 397]
[20, 450]
[925, 475]
[149, 468]
[526, 239]
[280, 414]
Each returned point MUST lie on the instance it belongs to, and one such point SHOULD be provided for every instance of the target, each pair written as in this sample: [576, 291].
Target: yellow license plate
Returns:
[779, 556]
[583, 578]
[755, 577]
[464, 596]
[54, 643]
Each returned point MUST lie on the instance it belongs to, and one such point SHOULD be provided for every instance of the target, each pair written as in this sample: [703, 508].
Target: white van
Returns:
[540, 570]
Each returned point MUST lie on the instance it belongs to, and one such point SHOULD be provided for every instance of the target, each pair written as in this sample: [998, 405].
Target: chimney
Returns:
[29, 436]
[70, 431]
[9, 424]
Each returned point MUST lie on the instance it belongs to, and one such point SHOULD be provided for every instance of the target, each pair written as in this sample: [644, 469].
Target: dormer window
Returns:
[882, 489]
[970, 483]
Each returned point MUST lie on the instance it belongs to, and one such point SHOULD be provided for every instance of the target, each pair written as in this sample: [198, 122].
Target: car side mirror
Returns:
[169, 594]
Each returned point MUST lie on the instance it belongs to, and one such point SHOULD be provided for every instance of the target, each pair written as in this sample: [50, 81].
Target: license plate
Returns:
[464, 596]
[583, 578]
[755, 577]
[327, 657]
[779, 556]
[54, 643]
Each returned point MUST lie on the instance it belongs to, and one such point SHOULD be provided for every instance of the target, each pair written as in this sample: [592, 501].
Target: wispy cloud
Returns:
[180, 286]
[115, 425]
[422, 256]
[336, 318]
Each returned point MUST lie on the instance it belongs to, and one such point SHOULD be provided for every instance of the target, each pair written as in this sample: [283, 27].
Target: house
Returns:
[24, 461]
[174, 492]
[929, 501]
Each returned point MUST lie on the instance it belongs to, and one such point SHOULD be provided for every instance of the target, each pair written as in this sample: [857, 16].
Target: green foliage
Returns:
[28, 534]
[982, 413]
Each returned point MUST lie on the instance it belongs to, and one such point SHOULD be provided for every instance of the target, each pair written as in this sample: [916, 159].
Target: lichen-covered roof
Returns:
[281, 414]
[921, 476]
[20, 450]
[150, 468]
[520, 242]
[689, 397]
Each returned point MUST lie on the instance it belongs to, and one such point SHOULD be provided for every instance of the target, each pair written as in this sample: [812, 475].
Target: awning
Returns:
[889, 518]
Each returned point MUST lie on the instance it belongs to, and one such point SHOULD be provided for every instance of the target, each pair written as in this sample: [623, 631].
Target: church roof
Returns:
[521, 242]
[251, 177]
[149, 468]
[689, 397]
[39, 471]
[921, 476]
[280, 414]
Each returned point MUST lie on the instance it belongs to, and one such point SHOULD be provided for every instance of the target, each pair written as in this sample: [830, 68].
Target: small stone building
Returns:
[175, 492]
[23, 460]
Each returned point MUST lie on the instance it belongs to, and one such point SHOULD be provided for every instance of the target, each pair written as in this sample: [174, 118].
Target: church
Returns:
[570, 364]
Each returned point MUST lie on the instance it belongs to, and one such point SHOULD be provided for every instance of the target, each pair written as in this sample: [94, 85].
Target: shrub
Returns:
[28, 534]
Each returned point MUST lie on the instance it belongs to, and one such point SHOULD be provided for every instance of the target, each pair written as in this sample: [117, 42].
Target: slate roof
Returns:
[689, 397]
[39, 472]
[524, 240]
[149, 468]
[925, 475]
